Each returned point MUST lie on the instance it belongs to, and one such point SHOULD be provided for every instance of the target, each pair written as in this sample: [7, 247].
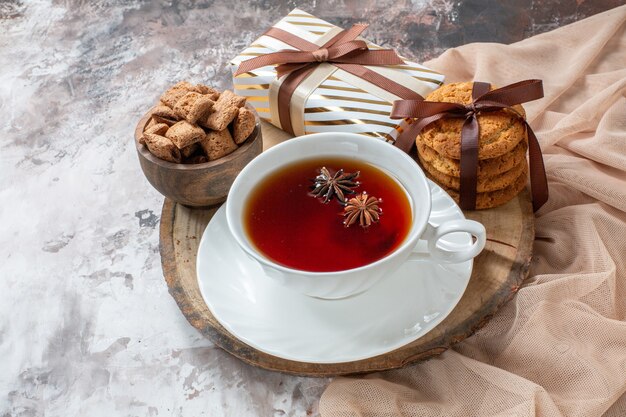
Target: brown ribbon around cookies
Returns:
[343, 51]
[483, 100]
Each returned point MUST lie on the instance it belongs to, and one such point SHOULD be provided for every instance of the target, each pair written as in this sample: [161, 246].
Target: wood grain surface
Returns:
[497, 274]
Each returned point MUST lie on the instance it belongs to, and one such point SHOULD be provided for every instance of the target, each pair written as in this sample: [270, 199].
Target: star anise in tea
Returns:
[338, 185]
[363, 208]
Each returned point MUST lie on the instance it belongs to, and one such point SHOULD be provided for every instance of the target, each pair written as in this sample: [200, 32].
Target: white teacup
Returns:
[396, 163]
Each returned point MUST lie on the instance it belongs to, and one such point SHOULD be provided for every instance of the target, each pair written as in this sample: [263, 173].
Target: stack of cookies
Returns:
[502, 167]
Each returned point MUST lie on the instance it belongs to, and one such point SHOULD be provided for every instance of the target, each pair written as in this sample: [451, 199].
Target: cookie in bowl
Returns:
[192, 144]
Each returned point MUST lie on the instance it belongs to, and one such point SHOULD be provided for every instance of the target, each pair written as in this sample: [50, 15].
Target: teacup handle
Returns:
[432, 234]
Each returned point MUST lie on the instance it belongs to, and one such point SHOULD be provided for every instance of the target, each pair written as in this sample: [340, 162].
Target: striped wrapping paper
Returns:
[336, 101]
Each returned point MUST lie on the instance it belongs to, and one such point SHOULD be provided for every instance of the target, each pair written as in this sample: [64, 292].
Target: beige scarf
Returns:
[559, 347]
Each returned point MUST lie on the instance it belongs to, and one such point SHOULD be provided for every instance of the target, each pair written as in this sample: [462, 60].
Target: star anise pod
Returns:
[338, 185]
[363, 208]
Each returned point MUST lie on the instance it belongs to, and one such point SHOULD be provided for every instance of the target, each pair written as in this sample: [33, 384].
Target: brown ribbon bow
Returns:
[427, 112]
[343, 51]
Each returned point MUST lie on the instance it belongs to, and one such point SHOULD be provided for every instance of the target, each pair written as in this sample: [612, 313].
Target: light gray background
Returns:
[87, 326]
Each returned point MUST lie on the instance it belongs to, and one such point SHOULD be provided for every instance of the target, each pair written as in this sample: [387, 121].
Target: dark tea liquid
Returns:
[299, 231]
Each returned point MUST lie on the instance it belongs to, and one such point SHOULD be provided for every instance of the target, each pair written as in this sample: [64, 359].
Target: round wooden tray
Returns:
[498, 272]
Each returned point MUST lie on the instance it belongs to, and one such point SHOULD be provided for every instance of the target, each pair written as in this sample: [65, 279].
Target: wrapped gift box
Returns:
[329, 99]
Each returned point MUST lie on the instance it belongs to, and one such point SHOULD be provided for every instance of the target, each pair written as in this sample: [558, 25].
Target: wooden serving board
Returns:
[497, 274]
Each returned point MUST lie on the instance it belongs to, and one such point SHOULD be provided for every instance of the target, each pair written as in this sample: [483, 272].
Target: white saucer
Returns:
[273, 319]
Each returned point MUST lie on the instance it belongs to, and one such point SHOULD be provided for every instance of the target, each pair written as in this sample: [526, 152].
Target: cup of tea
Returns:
[331, 214]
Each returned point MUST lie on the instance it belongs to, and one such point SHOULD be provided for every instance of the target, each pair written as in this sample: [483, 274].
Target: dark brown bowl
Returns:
[197, 185]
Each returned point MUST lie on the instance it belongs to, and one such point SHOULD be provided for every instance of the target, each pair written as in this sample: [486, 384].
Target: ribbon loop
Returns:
[516, 93]
[420, 109]
[483, 100]
[343, 49]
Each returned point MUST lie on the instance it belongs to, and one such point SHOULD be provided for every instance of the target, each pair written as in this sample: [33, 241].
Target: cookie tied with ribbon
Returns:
[472, 139]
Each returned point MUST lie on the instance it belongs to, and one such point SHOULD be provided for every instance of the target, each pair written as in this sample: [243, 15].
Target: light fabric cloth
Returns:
[559, 347]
